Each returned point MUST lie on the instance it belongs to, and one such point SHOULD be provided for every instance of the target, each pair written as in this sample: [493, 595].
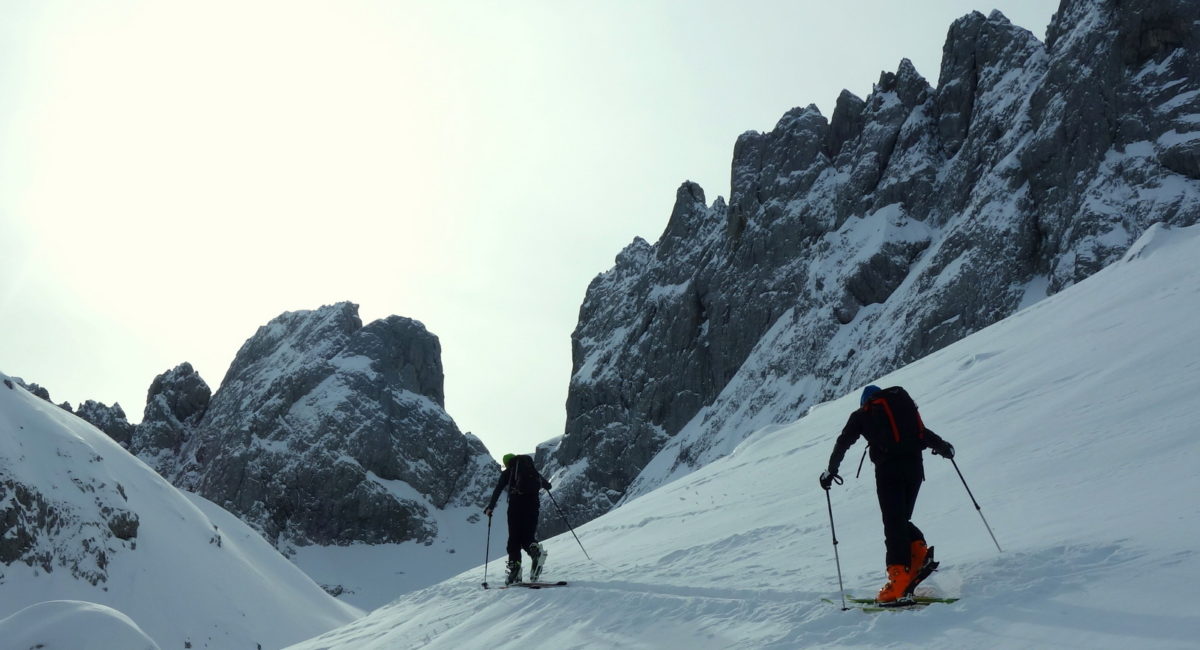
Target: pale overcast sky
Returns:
[175, 174]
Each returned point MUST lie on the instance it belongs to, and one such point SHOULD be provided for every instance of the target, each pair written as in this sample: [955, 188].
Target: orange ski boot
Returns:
[923, 566]
[919, 552]
[894, 590]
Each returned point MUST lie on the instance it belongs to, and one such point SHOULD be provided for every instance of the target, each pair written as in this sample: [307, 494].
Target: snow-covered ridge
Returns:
[81, 519]
[1073, 429]
[326, 432]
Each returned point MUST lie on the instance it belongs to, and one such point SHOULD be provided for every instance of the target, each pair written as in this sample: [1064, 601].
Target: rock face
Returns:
[853, 246]
[324, 431]
[175, 404]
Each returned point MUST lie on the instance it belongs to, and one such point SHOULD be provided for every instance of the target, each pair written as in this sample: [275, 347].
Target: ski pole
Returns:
[487, 551]
[836, 558]
[977, 508]
[860, 464]
[564, 518]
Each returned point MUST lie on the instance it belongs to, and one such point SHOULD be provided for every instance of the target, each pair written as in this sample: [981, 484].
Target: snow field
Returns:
[1074, 426]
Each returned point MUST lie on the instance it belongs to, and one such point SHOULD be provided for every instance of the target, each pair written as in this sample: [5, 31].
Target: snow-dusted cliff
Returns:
[324, 431]
[853, 245]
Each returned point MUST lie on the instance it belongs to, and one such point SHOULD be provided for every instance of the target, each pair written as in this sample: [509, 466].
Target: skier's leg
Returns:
[895, 508]
[514, 535]
[911, 490]
[536, 552]
[920, 562]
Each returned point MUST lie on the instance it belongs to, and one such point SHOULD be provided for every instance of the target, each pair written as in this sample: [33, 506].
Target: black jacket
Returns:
[862, 424]
[508, 479]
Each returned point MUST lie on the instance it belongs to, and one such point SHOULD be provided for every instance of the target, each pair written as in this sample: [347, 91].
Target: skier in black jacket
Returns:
[524, 484]
[896, 436]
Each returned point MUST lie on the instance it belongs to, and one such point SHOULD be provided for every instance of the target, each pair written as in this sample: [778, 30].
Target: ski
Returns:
[869, 604]
[915, 600]
[873, 608]
[536, 585]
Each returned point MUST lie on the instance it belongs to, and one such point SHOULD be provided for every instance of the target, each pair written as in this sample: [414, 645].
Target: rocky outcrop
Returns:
[41, 531]
[175, 404]
[851, 247]
[324, 431]
[109, 419]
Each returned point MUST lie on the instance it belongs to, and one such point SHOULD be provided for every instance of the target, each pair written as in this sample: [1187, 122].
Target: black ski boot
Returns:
[514, 572]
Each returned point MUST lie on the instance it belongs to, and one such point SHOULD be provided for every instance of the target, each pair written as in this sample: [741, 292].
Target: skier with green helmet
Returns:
[524, 485]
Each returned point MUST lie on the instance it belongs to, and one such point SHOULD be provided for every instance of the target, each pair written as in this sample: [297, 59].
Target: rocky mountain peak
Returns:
[181, 392]
[847, 121]
[175, 404]
[325, 431]
[285, 358]
[913, 218]
[636, 255]
[909, 85]
[688, 217]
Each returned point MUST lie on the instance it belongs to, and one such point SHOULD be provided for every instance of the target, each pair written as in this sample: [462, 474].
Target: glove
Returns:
[828, 478]
[488, 511]
[546, 484]
[947, 451]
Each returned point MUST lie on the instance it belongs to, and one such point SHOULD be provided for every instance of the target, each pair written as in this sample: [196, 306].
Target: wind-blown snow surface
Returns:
[75, 625]
[1074, 422]
[192, 573]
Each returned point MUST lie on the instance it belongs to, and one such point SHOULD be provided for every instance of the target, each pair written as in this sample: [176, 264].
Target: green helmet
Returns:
[508, 459]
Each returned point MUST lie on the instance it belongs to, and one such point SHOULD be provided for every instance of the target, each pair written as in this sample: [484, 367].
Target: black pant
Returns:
[897, 490]
[522, 524]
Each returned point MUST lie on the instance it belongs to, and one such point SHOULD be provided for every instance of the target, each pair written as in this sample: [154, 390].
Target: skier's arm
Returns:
[849, 436]
[496, 492]
[935, 442]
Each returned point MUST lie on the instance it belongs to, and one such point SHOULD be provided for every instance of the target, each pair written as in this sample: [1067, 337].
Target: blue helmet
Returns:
[867, 393]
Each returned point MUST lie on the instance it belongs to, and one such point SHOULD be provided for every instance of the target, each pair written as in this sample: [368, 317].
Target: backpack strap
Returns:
[887, 409]
[891, 418]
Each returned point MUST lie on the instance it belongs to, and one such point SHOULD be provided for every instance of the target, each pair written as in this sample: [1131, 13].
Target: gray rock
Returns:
[39, 531]
[1183, 158]
[847, 122]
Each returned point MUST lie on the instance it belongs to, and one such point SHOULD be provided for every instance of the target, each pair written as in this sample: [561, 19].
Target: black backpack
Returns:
[524, 479]
[895, 422]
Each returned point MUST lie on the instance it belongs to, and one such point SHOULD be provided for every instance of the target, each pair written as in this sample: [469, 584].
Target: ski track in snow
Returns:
[1074, 430]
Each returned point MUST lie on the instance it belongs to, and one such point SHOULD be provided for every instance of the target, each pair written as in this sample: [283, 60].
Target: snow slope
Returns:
[372, 575]
[75, 625]
[1074, 422]
[188, 572]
